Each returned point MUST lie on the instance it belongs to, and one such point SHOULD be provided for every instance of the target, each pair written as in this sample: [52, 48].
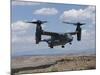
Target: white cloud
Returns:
[21, 32]
[46, 11]
[24, 39]
[80, 15]
[22, 3]
[88, 39]
[21, 26]
[88, 34]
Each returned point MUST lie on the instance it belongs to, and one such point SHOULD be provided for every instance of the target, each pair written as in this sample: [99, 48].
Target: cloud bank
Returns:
[80, 15]
[22, 32]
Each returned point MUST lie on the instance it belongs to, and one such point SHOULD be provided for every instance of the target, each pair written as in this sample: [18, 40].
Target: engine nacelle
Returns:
[38, 33]
[78, 33]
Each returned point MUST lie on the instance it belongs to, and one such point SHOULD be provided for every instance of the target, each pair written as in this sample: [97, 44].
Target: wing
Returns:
[50, 33]
[72, 33]
[57, 34]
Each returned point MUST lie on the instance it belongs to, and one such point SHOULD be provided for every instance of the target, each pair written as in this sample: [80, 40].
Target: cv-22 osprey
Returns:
[56, 39]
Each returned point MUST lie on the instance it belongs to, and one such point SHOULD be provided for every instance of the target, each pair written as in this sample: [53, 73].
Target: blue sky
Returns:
[23, 38]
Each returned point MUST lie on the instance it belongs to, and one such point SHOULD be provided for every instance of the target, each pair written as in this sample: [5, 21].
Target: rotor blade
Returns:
[80, 24]
[43, 22]
[32, 22]
[68, 22]
[83, 23]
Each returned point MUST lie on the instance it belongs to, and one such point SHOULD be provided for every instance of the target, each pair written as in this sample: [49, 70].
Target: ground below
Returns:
[40, 64]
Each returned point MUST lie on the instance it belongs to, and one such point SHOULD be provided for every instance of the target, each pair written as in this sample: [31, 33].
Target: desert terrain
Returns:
[40, 64]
